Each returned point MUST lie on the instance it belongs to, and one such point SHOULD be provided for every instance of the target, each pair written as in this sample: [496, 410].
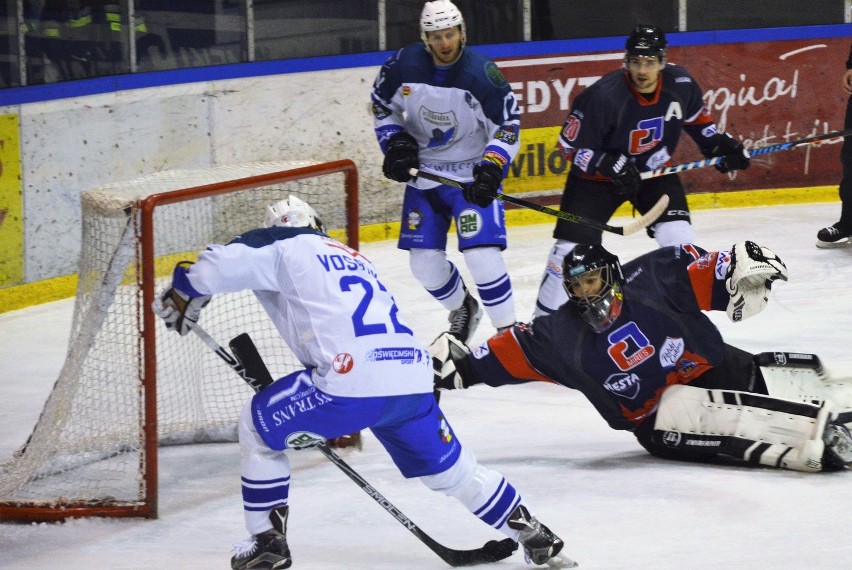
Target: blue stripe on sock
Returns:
[501, 509]
[495, 292]
[450, 287]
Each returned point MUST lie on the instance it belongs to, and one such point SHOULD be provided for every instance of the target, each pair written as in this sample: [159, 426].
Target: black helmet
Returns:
[647, 41]
[599, 309]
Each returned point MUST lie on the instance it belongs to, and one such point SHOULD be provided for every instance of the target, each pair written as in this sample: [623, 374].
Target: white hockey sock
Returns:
[438, 276]
[551, 294]
[484, 492]
[675, 232]
[488, 270]
[265, 476]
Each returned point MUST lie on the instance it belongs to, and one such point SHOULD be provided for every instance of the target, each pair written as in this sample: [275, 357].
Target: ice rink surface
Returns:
[615, 506]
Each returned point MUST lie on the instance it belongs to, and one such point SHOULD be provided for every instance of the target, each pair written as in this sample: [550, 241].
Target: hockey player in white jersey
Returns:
[363, 369]
[448, 110]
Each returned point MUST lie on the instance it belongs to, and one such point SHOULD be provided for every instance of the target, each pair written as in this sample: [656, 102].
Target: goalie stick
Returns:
[639, 223]
[248, 364]
[752, 152]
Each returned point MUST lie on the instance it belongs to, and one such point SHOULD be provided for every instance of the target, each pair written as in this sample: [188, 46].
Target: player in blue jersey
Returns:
[446, 109]
[629, 122]
[363, 369]
[839, 234]
[636, 343]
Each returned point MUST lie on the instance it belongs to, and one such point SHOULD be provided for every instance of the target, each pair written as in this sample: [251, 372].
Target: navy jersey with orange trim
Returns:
[662, 337]
[610, 116]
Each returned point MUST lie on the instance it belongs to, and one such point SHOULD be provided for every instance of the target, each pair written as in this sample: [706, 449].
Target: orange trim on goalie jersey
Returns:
[505, 347]
[702, 275]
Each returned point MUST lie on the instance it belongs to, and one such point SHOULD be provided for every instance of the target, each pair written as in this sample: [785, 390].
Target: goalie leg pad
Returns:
[752, 427]
[800, 376]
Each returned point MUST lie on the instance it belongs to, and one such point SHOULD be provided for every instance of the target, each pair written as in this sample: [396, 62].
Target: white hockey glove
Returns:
[178, 310]
[749, 280]
[446, 350]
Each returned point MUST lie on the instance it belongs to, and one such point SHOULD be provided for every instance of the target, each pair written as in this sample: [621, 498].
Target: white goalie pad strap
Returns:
[765, 430]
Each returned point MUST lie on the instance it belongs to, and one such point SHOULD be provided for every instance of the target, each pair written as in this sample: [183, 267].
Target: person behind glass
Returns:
[840, 233]
[628, 122]
[448, 110]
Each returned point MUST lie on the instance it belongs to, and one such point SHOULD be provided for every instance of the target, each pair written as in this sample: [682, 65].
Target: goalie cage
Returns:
[127, 384]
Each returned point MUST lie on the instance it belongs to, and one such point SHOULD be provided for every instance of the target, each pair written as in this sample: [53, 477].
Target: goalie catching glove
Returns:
[448, 362]
[749, 279]
[177, 309]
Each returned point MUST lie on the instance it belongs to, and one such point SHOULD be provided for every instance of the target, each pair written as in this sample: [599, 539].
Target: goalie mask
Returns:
[440, 15]
[292, 213]
[646, 41]
[593, 279]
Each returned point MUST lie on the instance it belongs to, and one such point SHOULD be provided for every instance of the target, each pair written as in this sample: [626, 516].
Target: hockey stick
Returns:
[254, 371]
[639, 223]
[752, 152]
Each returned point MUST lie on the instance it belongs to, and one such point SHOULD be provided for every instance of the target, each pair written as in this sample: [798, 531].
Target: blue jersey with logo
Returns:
[661, 338]
[611, 116]
[328, 304]
[460, 114]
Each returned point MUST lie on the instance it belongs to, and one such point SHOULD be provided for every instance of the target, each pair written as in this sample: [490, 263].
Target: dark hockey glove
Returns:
[486, 182]
[448, 354]
[400, 157]
[733, 153]
[623, 171]
[178, 310]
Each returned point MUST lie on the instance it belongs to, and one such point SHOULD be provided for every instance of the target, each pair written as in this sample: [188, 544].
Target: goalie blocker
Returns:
[801, 424]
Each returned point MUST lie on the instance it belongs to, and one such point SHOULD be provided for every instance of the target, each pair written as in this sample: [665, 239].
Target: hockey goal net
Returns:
[128, 385]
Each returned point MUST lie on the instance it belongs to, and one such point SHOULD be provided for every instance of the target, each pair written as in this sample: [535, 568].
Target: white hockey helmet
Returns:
[440, 15]
[292, 213]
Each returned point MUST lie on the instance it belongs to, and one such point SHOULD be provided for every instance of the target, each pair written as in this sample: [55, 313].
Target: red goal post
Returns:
[128, 386]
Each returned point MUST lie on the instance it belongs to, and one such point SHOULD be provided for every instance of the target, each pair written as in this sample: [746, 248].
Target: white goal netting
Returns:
[89, 445]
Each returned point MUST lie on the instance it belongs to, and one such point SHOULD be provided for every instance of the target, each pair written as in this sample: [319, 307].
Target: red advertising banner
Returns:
[763, 93]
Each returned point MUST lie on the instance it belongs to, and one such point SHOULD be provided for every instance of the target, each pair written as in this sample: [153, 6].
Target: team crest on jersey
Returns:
[469, 223]
[444, 431]
[647, 135]
[342, 363]
[406, 90]
[443, 126]
[413, 219]
[629, 347]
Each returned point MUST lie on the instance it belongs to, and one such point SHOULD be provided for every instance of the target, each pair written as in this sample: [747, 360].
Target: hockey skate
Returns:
[833, 236]
[838, 445]
[541, 546]
[265, 551]
[465, 319]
